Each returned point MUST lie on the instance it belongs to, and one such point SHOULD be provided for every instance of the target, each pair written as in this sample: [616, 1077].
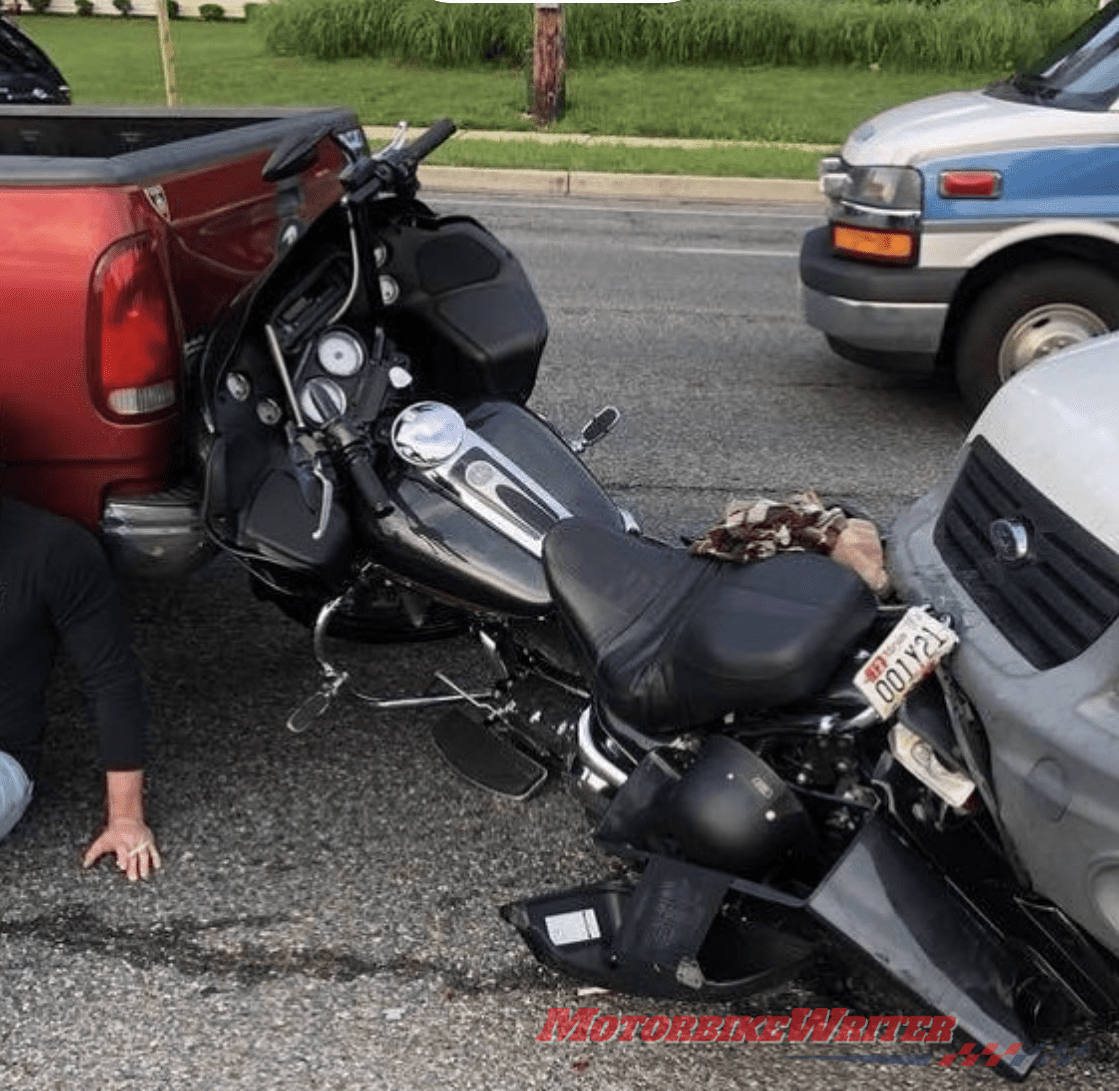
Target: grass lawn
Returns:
[117, 61]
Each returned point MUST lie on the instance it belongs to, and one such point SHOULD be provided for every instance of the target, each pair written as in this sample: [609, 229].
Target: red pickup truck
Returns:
[123, 235]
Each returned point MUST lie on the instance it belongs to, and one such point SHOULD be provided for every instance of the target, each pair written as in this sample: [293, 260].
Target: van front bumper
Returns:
[881, 309]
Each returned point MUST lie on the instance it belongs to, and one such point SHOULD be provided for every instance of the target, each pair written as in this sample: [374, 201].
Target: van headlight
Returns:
[893, 188]
[890, 188]
[876, 211]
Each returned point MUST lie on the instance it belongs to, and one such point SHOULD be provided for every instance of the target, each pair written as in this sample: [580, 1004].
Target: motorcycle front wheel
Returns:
[375, 616]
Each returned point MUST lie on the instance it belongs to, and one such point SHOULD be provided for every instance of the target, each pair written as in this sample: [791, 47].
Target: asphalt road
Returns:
[327, 913]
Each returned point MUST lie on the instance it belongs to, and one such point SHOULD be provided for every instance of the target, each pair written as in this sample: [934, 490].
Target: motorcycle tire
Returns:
[1027, 315]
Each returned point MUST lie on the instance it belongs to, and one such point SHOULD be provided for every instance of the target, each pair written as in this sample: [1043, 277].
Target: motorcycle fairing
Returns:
[664, 936]
[466, 308]
[274, 518]
[885, 900]
[257, 499]
[281, 524]
[667, 936]
[676, 641]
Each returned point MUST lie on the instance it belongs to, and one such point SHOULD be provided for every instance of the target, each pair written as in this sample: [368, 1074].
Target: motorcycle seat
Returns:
[675, 641]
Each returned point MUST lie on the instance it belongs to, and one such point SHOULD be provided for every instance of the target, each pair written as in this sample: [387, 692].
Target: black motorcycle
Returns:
[369, 457]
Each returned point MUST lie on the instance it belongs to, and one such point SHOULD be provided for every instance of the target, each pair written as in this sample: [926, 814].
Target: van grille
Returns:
[1059, 598]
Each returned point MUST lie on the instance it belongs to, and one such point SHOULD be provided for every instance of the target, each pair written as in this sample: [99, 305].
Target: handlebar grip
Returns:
[439, 133]
[358, 461]
[368, 484]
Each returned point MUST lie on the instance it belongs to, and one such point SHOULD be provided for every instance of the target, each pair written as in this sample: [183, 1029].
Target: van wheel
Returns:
[1028, 315]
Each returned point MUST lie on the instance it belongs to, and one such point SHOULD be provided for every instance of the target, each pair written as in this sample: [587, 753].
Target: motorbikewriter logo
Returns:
[817, 1025]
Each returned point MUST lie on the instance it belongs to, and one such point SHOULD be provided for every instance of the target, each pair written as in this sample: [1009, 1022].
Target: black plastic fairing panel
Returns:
[664, 937]
[886, 901]
[280, 524]
[466, 308]
[676, 640]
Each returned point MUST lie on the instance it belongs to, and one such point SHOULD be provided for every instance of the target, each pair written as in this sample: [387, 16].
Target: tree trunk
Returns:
[549, 63]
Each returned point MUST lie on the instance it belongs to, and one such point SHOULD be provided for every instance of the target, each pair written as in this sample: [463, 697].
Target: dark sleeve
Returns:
[86, 610]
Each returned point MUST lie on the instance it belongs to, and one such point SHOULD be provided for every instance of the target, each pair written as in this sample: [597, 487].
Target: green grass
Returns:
[569, 156]
[811, 105]
[116, 61]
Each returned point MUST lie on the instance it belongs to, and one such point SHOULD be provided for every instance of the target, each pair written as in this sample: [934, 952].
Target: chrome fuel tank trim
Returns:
[458, 463]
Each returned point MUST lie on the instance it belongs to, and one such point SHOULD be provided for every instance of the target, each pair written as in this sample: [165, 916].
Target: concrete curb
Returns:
[650, 187]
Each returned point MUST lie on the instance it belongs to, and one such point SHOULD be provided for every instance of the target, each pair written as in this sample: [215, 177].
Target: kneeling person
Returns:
[56, 588]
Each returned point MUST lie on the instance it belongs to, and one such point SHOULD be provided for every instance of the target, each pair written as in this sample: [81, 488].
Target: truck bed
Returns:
[51, 145]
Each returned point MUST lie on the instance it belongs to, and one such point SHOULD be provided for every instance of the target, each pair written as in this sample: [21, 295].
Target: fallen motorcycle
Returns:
[786, 764]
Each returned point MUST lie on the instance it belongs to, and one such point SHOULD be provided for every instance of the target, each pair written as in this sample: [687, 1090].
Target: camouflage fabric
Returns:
[753, 530]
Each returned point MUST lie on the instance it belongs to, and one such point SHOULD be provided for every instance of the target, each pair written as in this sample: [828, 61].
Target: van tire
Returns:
[1027, 315]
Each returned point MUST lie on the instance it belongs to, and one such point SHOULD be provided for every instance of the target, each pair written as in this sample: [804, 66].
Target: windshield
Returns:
[1082, 73]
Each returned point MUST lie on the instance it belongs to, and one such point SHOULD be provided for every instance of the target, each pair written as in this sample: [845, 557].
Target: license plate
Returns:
[904, 659]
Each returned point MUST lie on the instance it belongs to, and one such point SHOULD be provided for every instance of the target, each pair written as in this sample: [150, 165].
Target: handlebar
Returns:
[424, 144]
[394, 168]
[358, 460]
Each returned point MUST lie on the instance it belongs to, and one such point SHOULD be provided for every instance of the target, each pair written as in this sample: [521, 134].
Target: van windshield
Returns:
[1082, 73]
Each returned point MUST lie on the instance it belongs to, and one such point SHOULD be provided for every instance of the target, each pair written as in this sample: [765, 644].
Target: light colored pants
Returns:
[15, 793]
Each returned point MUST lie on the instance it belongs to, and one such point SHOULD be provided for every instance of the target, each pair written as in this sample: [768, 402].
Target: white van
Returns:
[976, 232]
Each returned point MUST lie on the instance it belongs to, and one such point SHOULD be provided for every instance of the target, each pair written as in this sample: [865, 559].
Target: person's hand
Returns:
[131, 841]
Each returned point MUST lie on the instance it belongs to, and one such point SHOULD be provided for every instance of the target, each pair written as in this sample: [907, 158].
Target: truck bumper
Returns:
[159, 536]
[899, 312]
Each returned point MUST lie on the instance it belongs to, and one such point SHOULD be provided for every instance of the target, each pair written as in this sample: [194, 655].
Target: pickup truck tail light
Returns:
[133, 343]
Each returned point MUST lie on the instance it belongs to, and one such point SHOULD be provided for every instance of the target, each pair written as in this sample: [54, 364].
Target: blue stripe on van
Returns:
[1037, 182]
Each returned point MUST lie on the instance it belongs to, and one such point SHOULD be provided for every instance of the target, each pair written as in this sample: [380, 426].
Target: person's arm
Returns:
[93, 626]
[126, 835]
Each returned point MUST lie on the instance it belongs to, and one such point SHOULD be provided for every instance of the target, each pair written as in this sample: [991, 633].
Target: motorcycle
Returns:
[786, 765]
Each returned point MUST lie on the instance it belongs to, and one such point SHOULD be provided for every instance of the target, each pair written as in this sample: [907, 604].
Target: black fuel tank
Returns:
[472, 511]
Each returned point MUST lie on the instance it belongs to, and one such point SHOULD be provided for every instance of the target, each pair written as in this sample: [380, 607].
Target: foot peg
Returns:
[317, 705]
[479, 754]
[598, 427]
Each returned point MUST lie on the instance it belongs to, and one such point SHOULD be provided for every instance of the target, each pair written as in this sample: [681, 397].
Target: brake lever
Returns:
[375, 172]
[396, 143]
[307, 454]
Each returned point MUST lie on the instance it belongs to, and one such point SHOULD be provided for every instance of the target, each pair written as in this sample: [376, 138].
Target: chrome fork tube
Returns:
[593, 758]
